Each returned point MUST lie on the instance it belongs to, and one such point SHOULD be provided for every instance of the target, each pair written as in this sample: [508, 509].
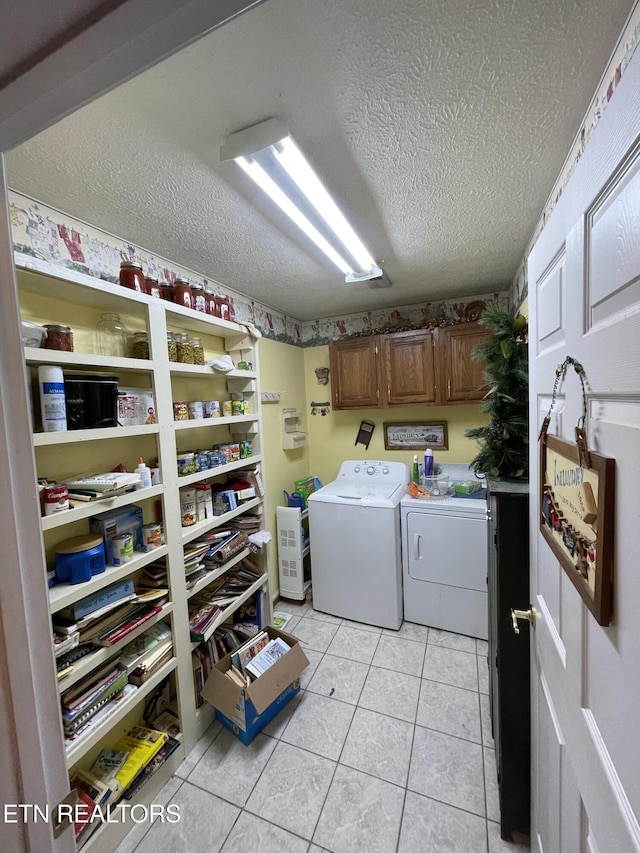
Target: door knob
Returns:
[529, 615]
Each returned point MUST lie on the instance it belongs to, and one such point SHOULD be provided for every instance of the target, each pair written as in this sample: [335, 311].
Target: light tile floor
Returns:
[386, 749]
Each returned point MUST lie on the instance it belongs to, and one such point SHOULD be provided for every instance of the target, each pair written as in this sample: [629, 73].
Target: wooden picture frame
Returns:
[416, 436]
[577, 517]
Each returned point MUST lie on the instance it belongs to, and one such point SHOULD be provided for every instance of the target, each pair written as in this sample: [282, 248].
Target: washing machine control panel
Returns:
[371, 470]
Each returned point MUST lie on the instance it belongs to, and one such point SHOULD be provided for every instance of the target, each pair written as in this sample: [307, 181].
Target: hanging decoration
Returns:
[577, 506]
[323, 408]
[322, 375]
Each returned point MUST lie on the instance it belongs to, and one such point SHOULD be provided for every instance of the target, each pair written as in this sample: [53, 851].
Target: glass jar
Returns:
[112, 335]
[222, 307]
[182, 293]
[197, 297]
[185, 348]
[210, 301]
[152, 287]
[198, 351]
[166, 291]
[58, 337]
[172, 347]
[140, 345]
[131, 276]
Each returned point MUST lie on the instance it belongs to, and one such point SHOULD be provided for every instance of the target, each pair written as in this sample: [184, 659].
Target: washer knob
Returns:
[356, 470]
[371, 470]
[385, 470]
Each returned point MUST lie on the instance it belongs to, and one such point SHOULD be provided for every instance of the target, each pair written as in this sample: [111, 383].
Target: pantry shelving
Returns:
[49, 294]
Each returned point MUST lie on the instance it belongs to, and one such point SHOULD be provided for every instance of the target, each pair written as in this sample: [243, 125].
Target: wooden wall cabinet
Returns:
[461, 378]
[355, 373]
[424, 367]
[409, 368]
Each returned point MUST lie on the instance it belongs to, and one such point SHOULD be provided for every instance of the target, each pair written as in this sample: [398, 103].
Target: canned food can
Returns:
[212, 409]
[54, 499]
[180, 411]
[122, 548]
[186, 464]
[227, 408]
[151, 536]
[196, 410]
[237, 407]
[235, 452]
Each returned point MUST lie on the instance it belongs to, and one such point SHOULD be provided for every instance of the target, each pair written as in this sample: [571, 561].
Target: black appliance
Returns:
[91, 400]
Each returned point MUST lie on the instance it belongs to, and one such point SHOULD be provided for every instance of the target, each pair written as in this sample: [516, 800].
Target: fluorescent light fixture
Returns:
[270, 157]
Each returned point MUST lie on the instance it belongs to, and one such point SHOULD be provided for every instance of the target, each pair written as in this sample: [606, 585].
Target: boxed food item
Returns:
[247, 710]
[136, 406]
[115, 522]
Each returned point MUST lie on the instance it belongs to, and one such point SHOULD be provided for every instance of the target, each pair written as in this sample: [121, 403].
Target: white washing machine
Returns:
[445, 559]
[354, 528]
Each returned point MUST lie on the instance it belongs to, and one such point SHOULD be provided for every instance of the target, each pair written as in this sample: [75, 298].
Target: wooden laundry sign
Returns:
[577, 516]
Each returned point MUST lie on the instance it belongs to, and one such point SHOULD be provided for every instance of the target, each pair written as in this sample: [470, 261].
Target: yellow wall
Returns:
[332, 437]
[281, 369]
[524, 308]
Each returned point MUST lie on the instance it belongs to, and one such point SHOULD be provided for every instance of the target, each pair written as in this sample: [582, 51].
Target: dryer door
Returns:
[449, 550]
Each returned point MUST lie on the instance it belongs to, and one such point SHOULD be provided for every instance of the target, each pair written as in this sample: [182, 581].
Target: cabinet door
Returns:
[462, 379]
[355, 373]
[409, 368]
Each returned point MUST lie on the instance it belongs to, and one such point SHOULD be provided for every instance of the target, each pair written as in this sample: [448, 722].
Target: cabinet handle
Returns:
[448, 388]
[389, 392]
[416, 546]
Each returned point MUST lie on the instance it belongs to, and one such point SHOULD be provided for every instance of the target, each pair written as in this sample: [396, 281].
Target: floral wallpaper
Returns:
[49, 235]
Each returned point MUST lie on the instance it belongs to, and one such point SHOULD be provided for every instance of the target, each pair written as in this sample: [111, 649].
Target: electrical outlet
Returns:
[270, 396]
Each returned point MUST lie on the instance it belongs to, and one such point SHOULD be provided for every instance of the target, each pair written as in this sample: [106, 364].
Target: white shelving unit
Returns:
[53, 295]
[294, 561]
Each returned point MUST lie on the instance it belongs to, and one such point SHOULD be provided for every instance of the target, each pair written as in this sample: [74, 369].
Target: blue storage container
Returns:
[79, 558]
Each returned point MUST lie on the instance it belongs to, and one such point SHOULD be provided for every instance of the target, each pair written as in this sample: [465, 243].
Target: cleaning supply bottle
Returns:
[415, 471]
[145, 475]
[428, 462]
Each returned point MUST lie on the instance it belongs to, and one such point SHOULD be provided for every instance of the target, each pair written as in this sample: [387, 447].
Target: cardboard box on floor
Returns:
[246, 711]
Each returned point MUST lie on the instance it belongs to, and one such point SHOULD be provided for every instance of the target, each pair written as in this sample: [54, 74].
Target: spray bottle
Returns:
[415, 471]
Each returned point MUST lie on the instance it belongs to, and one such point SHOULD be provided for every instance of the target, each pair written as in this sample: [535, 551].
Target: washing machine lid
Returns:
[367, 483]
[350, 492]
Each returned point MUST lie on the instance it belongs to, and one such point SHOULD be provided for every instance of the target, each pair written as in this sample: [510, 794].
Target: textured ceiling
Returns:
[439, 127]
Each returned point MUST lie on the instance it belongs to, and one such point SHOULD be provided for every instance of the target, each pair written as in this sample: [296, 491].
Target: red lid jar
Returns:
[131, 276]
[197, 295]
[182, 293]
[152, 287]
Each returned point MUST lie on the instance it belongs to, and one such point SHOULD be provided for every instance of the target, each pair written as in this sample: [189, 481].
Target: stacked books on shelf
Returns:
[84, 699]
[119, 771]
[147, 653]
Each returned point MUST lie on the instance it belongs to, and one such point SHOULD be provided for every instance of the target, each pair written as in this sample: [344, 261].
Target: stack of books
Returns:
[85, 698]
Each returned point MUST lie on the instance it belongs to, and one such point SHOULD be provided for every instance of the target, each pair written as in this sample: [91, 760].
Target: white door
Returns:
[584, 293]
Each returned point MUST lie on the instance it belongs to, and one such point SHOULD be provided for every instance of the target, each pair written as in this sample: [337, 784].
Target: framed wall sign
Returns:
[410, 436]
[577, 518]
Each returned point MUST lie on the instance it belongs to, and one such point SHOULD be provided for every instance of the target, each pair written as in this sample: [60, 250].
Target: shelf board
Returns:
[66, 593]
[204, 422]
[196, 321]
[199, 476]
[76, 752]
[68, 516]
[89, 662]
[178, 369]
[42, 277]
[35, 355]
[230, 609]
[218, 572]
[73, 436]
[191, 533]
